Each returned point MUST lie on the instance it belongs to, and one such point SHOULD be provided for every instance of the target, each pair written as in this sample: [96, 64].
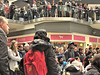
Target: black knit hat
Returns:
[41, 34]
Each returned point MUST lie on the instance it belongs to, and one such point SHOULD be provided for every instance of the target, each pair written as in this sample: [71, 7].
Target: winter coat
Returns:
[72, 70]
[13, 59]
[41, 45]
[22, 53]
[92, 71]
[3, 54]
[69, 54]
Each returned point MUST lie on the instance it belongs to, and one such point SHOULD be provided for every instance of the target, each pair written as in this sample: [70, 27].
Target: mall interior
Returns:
[65, 21]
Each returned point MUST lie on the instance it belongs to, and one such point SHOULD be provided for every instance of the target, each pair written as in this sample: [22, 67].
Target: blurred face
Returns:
[75, 49]
[61, 61]
[15, 44]
[56, 49]
[27, 48]
[60, 0]
[4, 26]
[21, 48]
[61, 52]
[65, 47]
[67, 0]
[71, 46]
[73, 1]
[53, 1]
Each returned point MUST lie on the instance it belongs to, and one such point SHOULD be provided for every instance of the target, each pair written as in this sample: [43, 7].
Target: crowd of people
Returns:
[76, 61]
[69, 59]
[46, 9]
[41, 58]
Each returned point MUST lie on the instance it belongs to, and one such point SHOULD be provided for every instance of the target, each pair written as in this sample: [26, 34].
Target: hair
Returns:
[2, 19]
[98, 51]
[96, 62]
[13, 48]
[19, 46]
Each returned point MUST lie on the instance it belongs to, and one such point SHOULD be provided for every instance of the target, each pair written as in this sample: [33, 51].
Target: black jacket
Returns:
[49, 55]
[72, 70]
[3, 54]
[69, 54]
[92, 71]
[12, 9]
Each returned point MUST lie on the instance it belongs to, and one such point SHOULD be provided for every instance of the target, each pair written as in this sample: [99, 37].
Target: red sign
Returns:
[61, 37]
[93, 39]
[98, 40]
[25, 39]
[79, 38]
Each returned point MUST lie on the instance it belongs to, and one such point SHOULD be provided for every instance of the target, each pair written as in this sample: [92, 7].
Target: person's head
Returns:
[60, 0]
[41, 34]
[90, 48]
[4, 24]
[8, 4]
[61, 50]
[91, 8]
[28, 5]
[71, 45]
[73, 1]
[49, 3]
[78, 59]
[85, 5]
[96, 61]
[80, 50]
[86, 50]
[56, 49]
[53, 1]
[98, 51]
[67, 0]
[13, 46]
[26, 47]
[76, 4]
[65, 47]
[80, 4]
[60, 59]
[20, 47]
[13, 3]
[75, 49]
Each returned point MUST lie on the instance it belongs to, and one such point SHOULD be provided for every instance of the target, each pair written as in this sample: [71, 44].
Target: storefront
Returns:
[61, 39]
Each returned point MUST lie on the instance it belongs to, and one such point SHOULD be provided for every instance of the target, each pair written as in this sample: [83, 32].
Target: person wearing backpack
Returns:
[40, 60]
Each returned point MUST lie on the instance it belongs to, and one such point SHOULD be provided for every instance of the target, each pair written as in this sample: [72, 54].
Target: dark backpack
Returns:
[34, 63]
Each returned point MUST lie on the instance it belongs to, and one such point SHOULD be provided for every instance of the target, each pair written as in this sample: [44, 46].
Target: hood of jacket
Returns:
[40, 45]
[72, 68]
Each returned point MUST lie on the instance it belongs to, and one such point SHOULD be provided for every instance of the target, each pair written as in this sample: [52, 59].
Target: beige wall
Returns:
[93, 5]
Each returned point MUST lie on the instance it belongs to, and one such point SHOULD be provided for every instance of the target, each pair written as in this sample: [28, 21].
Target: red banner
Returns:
[98, 40]
[79, 38]
[25, 39]
[21, 39]
[61, 37]
[92, 39]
